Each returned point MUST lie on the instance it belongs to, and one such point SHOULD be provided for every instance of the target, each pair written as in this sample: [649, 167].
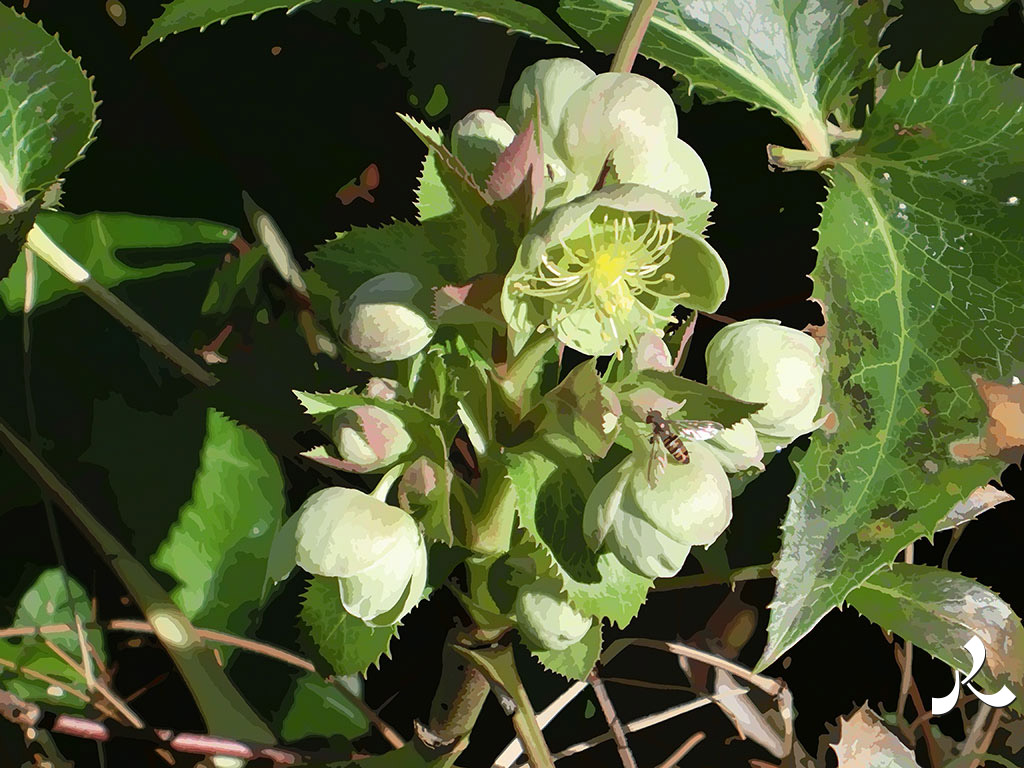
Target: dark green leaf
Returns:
[345, 642]
[110, 245]
[919, 268]
[939, 611]
[320, 709]
[218, 549]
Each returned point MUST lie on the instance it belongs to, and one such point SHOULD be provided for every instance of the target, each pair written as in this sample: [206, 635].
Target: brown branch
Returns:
[908, 653]
[29, 715]
[252, 646]
[934, 753]
[115, 701]
[990, 733]
[683, 750]
[614, 724]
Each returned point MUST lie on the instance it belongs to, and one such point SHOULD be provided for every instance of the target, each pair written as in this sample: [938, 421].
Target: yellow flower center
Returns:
[608, 277]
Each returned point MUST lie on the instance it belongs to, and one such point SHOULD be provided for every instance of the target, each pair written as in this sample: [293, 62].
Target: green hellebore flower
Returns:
[478, 139]
[606, 268]
[651, 530]
[380, 322]
[553, 81]
[762, 361]
[369, 438]
[633, 120]
[546, 618]
[376, 552]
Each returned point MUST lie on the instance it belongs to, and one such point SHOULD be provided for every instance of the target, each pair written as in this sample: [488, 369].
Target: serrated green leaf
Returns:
[576, 661]
[551, 511]
[919, 268]
[45, 603]
[432, 199]
[218, 549]
[939, 611]
[48, 112]
[345, 642]
[107, 244]
[181, 15]
[320, 709]
[798, 58]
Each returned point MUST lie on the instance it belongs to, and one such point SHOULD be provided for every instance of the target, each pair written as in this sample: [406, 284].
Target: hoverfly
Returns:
[667, 434]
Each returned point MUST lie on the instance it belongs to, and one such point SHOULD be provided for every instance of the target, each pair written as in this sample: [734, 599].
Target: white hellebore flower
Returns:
[376, 552]
[762, 361]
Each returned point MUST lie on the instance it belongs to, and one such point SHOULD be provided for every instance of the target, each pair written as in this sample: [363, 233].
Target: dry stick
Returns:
[116, 701]
[222, 706]
[683, 750]
[253, 646]
[990, 734]
[29, 715]
[974, 735]
[47, 250]
[628, 761]
[934, 754]
[651, 720]
[908, 653]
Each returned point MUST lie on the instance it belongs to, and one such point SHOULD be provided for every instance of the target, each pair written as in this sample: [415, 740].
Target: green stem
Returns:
[47, 250]
[225, 711]
[386, 481]
[786, 159]
[748, 573]
[636, 27]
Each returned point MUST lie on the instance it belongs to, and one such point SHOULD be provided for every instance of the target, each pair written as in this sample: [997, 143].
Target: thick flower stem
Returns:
[523, 365]
[460, 694]
[636, 27]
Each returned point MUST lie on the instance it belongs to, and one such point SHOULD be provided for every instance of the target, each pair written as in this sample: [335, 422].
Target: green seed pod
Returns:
[380, 322]
[369, 438]
[546, 619]
[554, 81]
[478, 139]
[376, 552]
[762, 361]
[651, 529]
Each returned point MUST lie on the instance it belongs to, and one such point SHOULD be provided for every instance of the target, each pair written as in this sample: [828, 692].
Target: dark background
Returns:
[191, 122]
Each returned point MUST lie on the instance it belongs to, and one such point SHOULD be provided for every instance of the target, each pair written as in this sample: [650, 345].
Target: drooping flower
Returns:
[374, 550]
[651, 529]
[763, 361]
[546, 618]
[606, 268]
[381, 321]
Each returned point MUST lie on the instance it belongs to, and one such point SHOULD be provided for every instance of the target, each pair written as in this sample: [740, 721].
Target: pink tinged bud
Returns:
[369, 438]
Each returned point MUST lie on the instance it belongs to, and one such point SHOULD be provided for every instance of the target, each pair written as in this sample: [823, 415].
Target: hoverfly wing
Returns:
[697, 430]
[657, 463]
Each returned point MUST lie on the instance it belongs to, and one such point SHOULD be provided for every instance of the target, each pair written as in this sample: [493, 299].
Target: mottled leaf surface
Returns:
[798, 58]
[939, 611]
[919, 266]
[47, 108]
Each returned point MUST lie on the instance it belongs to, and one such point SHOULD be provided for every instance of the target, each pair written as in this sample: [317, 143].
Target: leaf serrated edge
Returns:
[600, 644]
[429, 6]
[96, 103]
[432, 138]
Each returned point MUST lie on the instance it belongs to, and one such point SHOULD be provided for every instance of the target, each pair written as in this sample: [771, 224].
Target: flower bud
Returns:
[546, 618]
[762, 361]
[369, 438]
[553, 81]
[651, 529]
[478, 139]
[381, 388]
[381, 323]
[737, 448]
[376, 552]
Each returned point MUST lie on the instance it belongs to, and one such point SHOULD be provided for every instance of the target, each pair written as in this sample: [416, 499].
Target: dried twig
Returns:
[684, 749]
[924, 718]
[253, 646]
[116, 701]
[908, 653]
[628, 761]
[30, 716]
